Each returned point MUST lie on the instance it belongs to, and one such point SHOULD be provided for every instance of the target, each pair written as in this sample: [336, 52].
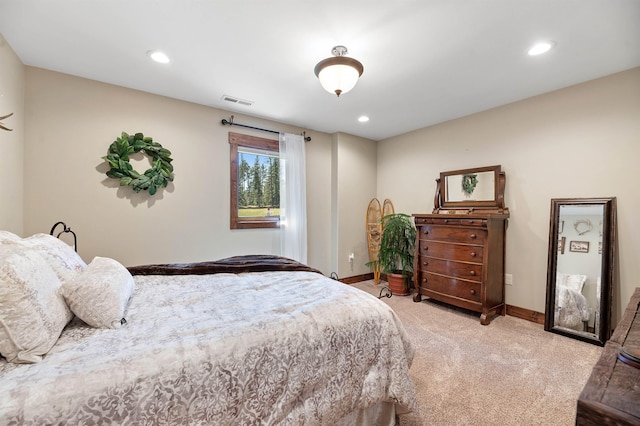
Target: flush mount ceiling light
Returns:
[338, 74]
[158, 56]
[540, 48]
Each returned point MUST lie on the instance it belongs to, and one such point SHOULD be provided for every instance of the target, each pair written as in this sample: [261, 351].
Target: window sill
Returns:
[255, 223]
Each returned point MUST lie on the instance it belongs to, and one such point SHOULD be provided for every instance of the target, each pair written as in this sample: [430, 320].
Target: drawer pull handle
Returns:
[426, 231]
[446, 221]
[473, 254]
[473, 292]
[472, 273]
[473, 236]
[424, 280]
[425, 263]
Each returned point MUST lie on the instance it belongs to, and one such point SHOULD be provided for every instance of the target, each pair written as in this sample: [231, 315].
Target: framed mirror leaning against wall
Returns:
[580, 268]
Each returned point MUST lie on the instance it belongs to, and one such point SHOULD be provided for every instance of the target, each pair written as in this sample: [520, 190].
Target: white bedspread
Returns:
[287, 348]
[572, 308]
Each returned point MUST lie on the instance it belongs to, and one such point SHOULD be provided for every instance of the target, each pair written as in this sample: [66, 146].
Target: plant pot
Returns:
[397, 284]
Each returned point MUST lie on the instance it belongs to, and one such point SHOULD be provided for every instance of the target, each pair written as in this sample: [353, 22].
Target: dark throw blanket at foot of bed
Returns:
[230, 265]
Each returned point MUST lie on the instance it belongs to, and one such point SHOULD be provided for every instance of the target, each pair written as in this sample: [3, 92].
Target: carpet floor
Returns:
[510, 372]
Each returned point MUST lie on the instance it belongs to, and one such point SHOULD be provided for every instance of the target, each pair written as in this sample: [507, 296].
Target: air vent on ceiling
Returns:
[236, 100]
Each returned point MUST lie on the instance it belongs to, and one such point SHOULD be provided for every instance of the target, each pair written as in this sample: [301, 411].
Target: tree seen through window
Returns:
[258, 184]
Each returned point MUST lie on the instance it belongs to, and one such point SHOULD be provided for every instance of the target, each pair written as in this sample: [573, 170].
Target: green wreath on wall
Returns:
[158, 176]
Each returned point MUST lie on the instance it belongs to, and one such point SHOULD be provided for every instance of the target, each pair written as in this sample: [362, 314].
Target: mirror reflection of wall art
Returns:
[582, 226]
[579, 246]
[561, 243]
[469, 182]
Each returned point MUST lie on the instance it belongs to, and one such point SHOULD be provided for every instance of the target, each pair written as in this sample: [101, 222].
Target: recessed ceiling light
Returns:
[363, 119]
[158, 56]
[540, 48]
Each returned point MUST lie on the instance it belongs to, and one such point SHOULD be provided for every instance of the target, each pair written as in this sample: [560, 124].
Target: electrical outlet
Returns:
[351, 257]
[508, 279]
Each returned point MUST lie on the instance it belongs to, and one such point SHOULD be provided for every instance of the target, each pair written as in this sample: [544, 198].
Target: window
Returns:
[255, 182]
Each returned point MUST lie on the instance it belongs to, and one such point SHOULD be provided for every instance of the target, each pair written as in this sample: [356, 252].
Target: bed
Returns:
[250, 340]
[572, 307]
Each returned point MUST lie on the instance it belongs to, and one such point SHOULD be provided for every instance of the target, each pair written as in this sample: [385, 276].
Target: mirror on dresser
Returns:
[467, 190]
[580, 268]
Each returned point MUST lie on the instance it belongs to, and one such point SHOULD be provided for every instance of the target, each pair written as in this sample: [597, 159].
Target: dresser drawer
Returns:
[463, 289]
[451, 220]
[453, 234]
[469, 271]
[462, 252]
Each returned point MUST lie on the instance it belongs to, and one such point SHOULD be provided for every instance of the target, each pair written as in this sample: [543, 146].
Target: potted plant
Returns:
[397, 251]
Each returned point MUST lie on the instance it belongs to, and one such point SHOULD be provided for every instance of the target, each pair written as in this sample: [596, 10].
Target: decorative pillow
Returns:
[575, 282]
[100, 295]
[8, 237]
[32, 309]
[62, 258]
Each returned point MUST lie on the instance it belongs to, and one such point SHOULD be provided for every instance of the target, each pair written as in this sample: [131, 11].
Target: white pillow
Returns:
[8, 237]
[575, 282]
[32, 309]
[62, 258]
[100, 295]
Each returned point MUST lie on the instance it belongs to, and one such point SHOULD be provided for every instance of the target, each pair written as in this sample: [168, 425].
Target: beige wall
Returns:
[581, 141]
[12, 82]
[355, 186]
[71, 122]
[319, 223]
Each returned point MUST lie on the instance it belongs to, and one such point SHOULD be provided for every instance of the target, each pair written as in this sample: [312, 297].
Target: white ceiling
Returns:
[425, 61]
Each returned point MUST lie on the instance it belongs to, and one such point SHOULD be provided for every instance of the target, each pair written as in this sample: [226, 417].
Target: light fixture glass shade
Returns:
[338, 74]
[338, 78]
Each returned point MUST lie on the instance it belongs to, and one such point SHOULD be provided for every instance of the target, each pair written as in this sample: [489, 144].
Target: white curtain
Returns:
[293, 198]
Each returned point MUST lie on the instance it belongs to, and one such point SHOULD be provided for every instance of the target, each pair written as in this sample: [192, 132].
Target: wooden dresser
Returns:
[612, 393]
[460, 261]
[460, 246]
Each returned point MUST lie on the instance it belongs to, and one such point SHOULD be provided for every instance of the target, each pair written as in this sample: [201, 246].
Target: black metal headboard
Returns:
[65, 229]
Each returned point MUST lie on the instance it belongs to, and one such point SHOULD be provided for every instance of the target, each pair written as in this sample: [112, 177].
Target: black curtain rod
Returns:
[226, 122]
